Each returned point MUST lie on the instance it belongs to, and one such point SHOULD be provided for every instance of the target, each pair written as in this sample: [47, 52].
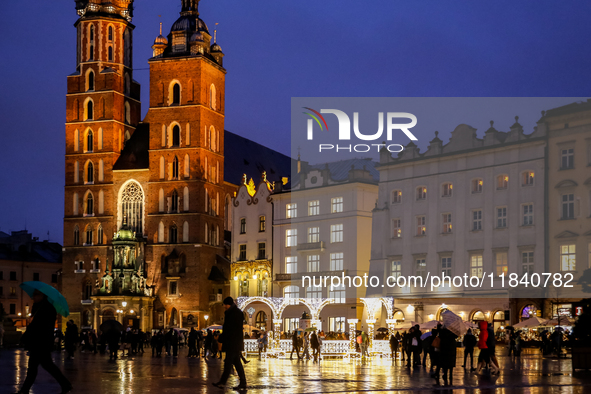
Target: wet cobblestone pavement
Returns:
[91, 374]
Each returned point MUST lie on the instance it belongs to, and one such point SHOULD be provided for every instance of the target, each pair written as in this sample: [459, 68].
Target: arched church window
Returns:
[131, 206]
[176, 94]
[110, 54]
[89, 141]
[89, 172]
[175, 168]
[172, 234]
[212, 96]
[91, 34]
[91, 54]
[127, 114]
[76, 236]
[174, 203]
[89, 204]
[99, 233]
[91, 80]
[176, 136]
[88, 235]
[110, 34]
[89, 110]
[87, 295]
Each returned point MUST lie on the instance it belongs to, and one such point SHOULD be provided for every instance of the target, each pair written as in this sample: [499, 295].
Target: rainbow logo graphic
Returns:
[316, 117]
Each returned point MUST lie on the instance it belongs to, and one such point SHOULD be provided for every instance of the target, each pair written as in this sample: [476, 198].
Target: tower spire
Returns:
[215, 33]
[160, 28]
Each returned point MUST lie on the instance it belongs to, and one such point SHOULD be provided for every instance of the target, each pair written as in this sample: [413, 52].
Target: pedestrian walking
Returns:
[112, 337]
[469, 342]
[208, 340]
[193, 343]
[491, 343]
[306, 347]
[315, 345]
[295, 343]
[71, 338]
[415, 345]
[39, 341]
[393, 346]
[364, 344]
[232, 343]
[262, 343]
[447, 355]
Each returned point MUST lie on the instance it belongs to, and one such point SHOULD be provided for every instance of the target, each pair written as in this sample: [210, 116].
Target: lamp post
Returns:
[206, 317]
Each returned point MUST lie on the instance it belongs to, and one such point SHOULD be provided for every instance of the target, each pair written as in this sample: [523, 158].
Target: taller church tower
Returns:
[103, 111]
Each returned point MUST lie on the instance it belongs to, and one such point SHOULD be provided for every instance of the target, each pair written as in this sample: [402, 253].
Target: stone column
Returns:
[277, 333]
[96, 318]
[180, 319]
[370, 333]
[352, 332]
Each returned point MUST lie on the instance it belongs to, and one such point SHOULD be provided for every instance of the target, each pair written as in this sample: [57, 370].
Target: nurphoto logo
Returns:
[344, 133]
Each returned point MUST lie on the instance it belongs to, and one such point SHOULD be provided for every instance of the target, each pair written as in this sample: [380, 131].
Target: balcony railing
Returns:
[310, 246]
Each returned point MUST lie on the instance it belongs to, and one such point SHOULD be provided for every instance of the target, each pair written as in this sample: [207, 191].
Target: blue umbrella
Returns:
[55, 297]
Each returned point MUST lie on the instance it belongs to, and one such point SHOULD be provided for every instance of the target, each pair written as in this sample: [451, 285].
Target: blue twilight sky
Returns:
[278, 49]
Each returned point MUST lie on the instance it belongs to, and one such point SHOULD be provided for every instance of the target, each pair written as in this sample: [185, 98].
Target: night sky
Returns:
[276, 50]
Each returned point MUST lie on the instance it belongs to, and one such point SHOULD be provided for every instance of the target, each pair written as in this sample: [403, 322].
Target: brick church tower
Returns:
[144, 201]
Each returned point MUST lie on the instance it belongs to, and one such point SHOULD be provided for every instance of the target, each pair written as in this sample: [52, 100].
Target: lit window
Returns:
[477, 185]
[337, 204]
[502, 267]
[313, 292]
[421, 193]
[527, 262]
[568, 258]
[314, 263]
[477, 220]
[336, 261]
[421, 225]
[446, 218]
[291, 211]
[446, 266]
[447, 190]
[337, 294]
[528, 178]
[567, 159]
[396, 196]
[336, 233]
[314, 208]
[568, 206]
[291, 237]
[291, 292]
[396, 228]
[291, 264]
[421, 268]
[242, 252]
[262, 251]
[502, 182]
[528, 214]
[262, 224]
[502, 217]
[476, 265]
[396, 269]
[313, 234]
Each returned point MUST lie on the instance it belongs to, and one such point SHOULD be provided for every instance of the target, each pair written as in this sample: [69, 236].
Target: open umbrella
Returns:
[109, 325]
[426, 335]
[310, 329]
[382, 329]
[53, 296]
[533, 321]
[215, 327]
[429, 325]
[561, 321]
[453, 323]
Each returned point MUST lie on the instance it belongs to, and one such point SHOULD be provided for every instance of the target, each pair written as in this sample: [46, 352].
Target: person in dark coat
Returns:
[232, 343]
[416, 346]
[469, 343]
[112, 337]
[38, 339]
[393, 346]
[295, 345]
[208, 341]
[71, 338]
[447, 354]
[315, 345]
[193, 343]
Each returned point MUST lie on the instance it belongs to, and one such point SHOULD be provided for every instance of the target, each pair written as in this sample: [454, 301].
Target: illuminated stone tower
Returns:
[186, 154]
[103, 110]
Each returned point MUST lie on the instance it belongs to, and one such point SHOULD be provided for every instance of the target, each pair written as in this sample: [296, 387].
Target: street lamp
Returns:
[206, 317]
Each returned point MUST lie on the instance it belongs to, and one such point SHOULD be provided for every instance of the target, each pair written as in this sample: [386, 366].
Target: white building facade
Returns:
[475, 207]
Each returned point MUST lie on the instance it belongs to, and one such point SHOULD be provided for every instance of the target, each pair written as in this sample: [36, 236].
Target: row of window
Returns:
[313, 263]
[476, 265]
[175, 94]
[89, 143]
[90, 82]
[338, 294]
[12, 276]
[171, 137]
[336, 206]
[476, 186]
[261, 251]
[89, 110]
[336, 235]
[262, 224]
[527, 219]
